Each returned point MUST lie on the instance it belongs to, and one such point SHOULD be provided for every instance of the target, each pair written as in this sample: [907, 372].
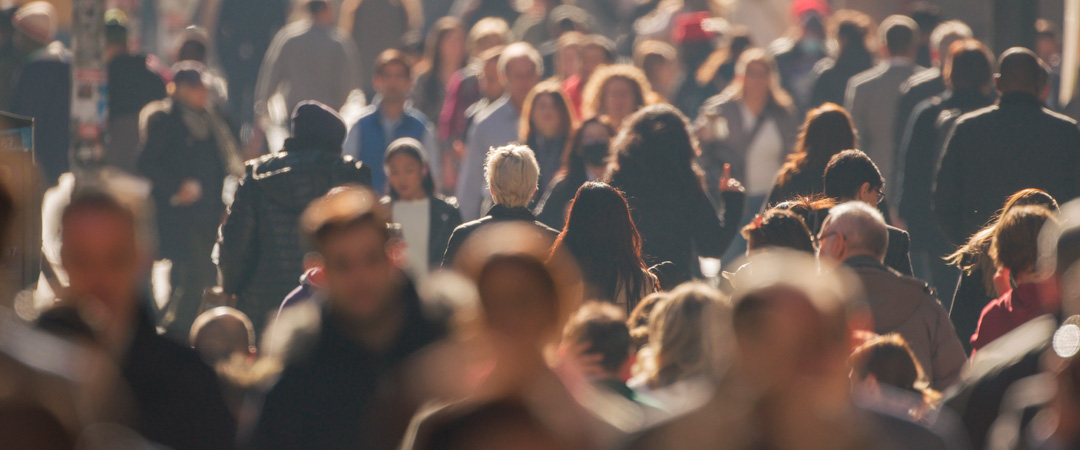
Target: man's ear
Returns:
[864, 190]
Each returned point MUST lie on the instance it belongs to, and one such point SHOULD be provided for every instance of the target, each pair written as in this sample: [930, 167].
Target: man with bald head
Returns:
[854, 235]
[996, 151]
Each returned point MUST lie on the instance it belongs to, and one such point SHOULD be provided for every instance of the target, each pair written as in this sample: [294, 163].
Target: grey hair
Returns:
[946, 33]
[863, 227]
[519, 50]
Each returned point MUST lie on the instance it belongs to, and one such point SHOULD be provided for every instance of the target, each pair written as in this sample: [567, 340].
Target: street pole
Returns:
[89, 93]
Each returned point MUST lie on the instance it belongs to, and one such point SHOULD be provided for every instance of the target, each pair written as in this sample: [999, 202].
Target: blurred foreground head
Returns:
[689, 332]
[525, 295]
[222, 332]
[347, 227]
[792, 323]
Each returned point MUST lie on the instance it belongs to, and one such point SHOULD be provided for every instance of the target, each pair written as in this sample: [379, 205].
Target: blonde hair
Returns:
[687, 335]
[488, 27]
[512, 172]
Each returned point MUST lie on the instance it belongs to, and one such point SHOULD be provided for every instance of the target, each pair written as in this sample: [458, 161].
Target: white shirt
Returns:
[415, 220]
[763, 154]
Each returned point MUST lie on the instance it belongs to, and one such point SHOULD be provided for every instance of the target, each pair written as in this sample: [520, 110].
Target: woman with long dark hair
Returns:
[601, 235]
[547, 123]
[828, 130]
[444, 54]
[585, 159]
[654, 166]
[426, 219]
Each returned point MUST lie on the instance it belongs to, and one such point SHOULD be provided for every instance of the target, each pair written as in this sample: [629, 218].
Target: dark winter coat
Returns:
[170, 155]
[43, 91]
[261, 256]
[444, 218]
[994, 152]
[132, 85]
[497, 214]
[833, 75]
[551, 209]
[336, 394]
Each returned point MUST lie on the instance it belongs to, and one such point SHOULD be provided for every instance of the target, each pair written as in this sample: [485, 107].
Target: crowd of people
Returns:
[410, 224]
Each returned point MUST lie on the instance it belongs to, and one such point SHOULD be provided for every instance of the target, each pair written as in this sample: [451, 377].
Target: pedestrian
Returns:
[654, 167]
[547, 124]
[390, 117]
[615, 92]
[241, 36]
[828, 130]
[133, 85]
[991, 154]
[260, 255]
[511, 172]
[601, 236]
[586, 159]
[930, 82]
[377, 26]
[851, 31]
[854, 235]
[444, 55]
[188, 149]
[520, 67]
[427, 219]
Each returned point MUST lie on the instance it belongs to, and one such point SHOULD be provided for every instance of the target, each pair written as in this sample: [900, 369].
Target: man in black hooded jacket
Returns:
[260, 254]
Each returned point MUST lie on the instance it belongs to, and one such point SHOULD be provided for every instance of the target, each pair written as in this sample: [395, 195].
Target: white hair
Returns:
[862, 226]
[511, 172]
[520, 50]
[946, 33]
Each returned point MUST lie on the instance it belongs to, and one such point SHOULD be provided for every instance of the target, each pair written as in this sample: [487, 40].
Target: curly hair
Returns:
[595, 89]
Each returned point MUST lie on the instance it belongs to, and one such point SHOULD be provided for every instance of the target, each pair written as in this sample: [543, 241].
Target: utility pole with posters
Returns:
[89, 99]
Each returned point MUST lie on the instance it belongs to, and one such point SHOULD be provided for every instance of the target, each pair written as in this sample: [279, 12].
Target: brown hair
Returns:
[602, 326]
[828, 130]
[566, 113]
[638, 323]
[737, 44]
[890, 360]
[686, 335]
[1016, 238]
[392, 56]
[595, 89]
[343, 208]
[975, 253]
[777, 94]
[778, 228]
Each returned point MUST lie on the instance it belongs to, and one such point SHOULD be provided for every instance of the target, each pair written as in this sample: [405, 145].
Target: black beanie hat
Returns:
[315, 122]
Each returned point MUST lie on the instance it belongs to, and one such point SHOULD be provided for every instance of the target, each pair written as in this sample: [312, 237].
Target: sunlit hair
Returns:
[567, 118]
[596, 88]
[512, 173]
[222, 313]
[602, 327]
[688, 334]
[601, 236]
[343, 208]
[778, 228]
[945, 34]
[968, 65]
[828, 130]
[639, 318]
[1015, 245]
[813, 210]
[520, 50]
[777, 94]
[891, 362]
[492, 28]
[411, 148]
[975, 253]
[655, 149]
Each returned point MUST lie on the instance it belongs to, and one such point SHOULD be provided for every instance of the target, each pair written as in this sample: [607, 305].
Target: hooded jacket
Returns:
[906, 305]
[261, 256]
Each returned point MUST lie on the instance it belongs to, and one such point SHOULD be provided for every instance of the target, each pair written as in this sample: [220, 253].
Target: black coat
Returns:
[444, 217]
[898, 255]
[170, 155]
[833, 75]
[337, 394]
[261, 256]
[497, 214]
[920, 151]
[177, 398]
[551, 210]
[921, 86]
[806, 182]
[679, 228]
[994, 152]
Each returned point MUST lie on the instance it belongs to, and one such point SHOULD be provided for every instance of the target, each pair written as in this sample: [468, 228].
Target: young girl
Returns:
[426, 220]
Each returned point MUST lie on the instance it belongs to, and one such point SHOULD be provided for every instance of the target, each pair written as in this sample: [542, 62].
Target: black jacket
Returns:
[551, 210]
[444, 217]
[920, 151]
[994, 152]
[497, 214]
[832, 75]
[681, 228]
[260, 254]
[805, 182]
[898, 255]
[177, 397]
[170, 155]
[921, 86]
[337, 394]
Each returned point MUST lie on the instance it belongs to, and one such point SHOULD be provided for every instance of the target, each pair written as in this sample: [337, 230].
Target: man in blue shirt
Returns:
[388, 118]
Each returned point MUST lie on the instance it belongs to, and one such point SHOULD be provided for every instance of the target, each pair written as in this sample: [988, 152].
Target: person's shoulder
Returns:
[920, 80]
[824, 66]
[977, 116]
[782, 48]
[418, 116]
[868, 75]
[719, 104]
[1060, 120]
[444, 203]
[155, 113]
[897, 233]
[486, 117]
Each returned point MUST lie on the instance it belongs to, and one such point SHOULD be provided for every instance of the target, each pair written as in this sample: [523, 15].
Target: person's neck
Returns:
[596, 171]
[392, 109]
[756, 103]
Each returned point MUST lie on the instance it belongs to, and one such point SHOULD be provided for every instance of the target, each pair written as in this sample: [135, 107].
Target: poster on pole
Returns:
[90, 97]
